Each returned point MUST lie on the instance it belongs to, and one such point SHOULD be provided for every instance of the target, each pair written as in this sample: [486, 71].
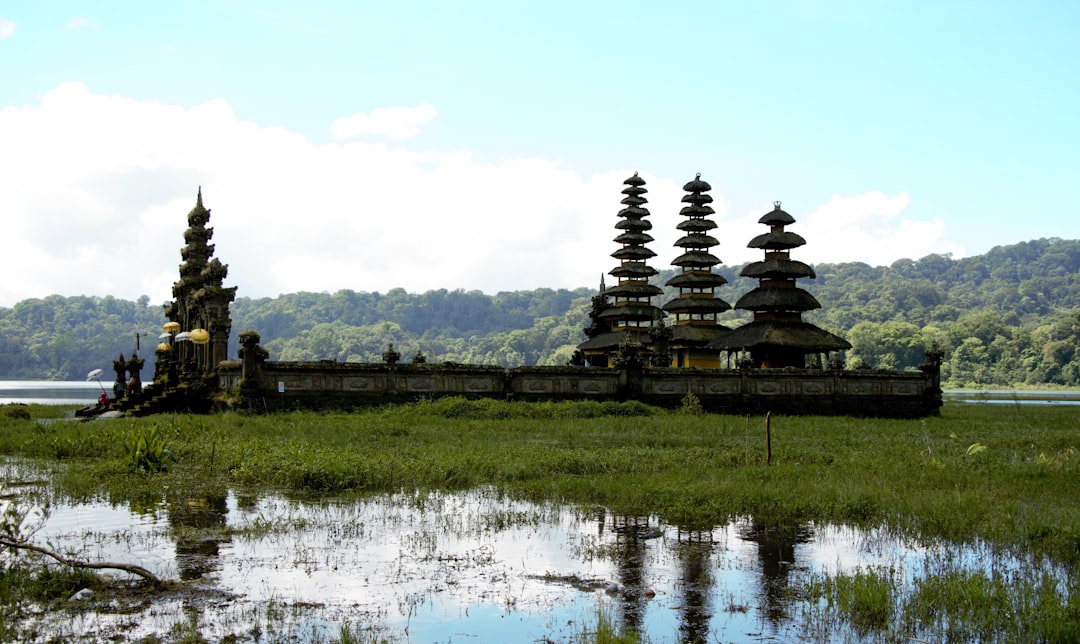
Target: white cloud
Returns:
[7, 28]
[78, 22]
[97, 189]
[395, 123]
[868, 228]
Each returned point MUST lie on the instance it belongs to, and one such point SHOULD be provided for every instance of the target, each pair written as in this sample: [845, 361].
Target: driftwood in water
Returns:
[131, 568]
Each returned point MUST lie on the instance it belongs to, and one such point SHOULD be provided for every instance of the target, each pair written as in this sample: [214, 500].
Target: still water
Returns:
[475, 566]
[52, 392]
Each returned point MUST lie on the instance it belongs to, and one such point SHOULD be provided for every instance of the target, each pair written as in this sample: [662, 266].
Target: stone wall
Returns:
[272, 386]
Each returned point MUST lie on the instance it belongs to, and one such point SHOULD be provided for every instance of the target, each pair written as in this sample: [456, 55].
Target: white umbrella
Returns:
[95, 375]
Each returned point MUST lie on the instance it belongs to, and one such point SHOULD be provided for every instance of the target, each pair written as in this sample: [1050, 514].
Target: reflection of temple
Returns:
[776, 545]
[696, 584]
[631, 541]
[191, 518]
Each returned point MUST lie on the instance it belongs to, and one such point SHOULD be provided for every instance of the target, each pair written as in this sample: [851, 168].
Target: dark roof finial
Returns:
[776, 204]
[697, 176]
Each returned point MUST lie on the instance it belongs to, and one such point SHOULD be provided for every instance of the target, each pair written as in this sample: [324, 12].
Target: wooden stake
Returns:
[768, 438]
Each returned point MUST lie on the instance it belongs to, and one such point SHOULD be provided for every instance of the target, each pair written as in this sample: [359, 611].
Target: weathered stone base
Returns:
[274, 386]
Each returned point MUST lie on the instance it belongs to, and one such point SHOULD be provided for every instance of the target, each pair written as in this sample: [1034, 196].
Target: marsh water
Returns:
[475, 566]
[470, 566]
[52, 392]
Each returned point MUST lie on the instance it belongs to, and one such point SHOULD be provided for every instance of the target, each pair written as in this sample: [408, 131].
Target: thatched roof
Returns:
[629, 312]
[801, 336]
[695, 279]
[634, 289]
[697, 240]
[697, 185]
[776, 217]
[612, 340]
[778, 299]
[696, 258]
[638, 253]
[633, 237]
[695, 225]
[697, 305]
[777, 241]
[634, 212]
[633, 224]
[633, 270]
[696, 335]
[778, 268]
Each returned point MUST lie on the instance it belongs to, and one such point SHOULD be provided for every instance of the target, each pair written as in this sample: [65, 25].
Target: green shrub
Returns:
[146, 451]
[18, 412]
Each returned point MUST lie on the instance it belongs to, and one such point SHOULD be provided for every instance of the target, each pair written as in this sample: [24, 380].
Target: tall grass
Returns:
[922, 477]
[1003, 474]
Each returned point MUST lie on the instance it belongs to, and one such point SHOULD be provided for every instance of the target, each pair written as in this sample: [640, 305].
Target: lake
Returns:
[52, 392]
[473, 566]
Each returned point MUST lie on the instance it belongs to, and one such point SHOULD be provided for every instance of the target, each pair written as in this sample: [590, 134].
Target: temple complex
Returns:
[778, 337]
[631, 352]
[697, 306]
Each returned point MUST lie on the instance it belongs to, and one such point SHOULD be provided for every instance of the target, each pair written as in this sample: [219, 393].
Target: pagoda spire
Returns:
[778, 336]
[696, 307]
[630, 317]
[200, 300]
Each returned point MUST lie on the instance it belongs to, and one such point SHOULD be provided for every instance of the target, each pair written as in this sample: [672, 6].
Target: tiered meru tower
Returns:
[778, 336]
[628, 321]
[201, 304]
[697, 306]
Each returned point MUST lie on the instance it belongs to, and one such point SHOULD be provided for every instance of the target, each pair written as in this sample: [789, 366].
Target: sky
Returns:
[482, 145]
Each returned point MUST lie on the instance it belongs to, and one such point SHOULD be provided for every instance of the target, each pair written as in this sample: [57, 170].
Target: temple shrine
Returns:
[634, 349]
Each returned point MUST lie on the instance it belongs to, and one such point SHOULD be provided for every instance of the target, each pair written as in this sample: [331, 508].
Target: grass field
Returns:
[1005, 474]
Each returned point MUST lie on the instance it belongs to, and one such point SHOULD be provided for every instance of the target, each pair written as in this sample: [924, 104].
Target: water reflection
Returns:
[450, 566]
[198, 524]
[631, 534]
[776, 544]
[696, 583]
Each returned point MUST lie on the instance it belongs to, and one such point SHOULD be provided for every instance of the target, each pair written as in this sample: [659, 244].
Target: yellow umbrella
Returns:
[170, 327]
[199, 336]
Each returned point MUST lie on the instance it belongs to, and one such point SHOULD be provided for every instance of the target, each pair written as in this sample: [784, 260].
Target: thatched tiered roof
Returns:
[778, 337]
[696, 307]
[629, 316]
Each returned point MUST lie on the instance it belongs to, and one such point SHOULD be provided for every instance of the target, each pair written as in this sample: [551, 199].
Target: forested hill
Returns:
[1008, 317]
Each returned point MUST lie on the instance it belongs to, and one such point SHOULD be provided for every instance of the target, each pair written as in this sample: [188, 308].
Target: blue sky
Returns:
[482, 145]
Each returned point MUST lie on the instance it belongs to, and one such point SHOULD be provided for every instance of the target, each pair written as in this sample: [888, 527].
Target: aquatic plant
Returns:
[146, 450]
[606, 629]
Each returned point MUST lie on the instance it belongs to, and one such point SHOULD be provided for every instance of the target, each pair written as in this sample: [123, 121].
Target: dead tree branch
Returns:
[130, 568]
